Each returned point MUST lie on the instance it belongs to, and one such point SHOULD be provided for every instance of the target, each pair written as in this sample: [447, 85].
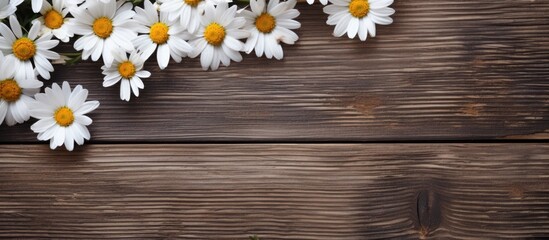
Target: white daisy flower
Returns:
[22, 49]
[8, 7]
[104, 29]
[188, 12]
[61, 115]
[324, 2]
[162, 34]
[54, 20]
[216, 40]
[129, 71]
[15, 95]
[358, 16]
[269, 25]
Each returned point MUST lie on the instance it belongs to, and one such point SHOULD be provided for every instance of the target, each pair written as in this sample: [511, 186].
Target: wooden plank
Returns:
[318, 191]
[449, 70]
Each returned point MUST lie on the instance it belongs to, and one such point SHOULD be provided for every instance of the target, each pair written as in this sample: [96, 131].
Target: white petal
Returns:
[277, 51]
[163, 56]
[35, 29]
[125, 90]
[336, 17]
[111, 80]
[47, 44]
[82, 119]
[134, 87]
[59, 137]
[180, 44]
[216, 59]
[77, 136]
[380, 20]
[234, 55]
[36, 5]
[87, 107]
[98, 50]
[251, 42]
[7, 33]
[233, 43]
[66, 88]
[384, 11]
[23, 111]
[206, 57]
[286, 35]
[352, 28]
[149, 50]
[39, 110]
[69, 139]
[143, 74]
[289, 23]
[259, 48]
[362, 30]
[380, 4]
[48, 133]
[138, 82]
[290, 14]
[3, 110]
[77, 97]
[84, 131]
[341, 26]
[10, 120]
[15, 27]
[199, 46]
[258, 6]
[56, 95]
[370, 26]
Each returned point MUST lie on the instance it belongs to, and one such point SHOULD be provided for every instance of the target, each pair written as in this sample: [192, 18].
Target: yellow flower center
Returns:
[214, 34]
[265, 23]
[102, 27]
[192, 3]
[159, 33]
[126, 69]
[23, 48]
[64, 116]
[10, 90]
[359, 8]
[53, 19]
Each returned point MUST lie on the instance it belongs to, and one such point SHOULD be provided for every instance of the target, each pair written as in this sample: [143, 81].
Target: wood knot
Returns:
[516, 192]
[365, 104]
[428, 215]
[472, 109]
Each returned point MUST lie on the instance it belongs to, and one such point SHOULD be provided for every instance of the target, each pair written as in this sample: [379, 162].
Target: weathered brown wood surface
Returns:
[444, 70]
[322, 191]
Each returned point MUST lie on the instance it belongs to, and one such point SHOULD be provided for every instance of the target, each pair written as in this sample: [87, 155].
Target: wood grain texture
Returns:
[323, 191]
[450, 70]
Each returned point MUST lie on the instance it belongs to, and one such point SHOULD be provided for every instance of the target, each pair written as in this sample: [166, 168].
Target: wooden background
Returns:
[437, 128]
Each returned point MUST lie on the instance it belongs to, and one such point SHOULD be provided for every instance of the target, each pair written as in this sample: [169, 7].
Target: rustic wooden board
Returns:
[446, 69]
[318, 191]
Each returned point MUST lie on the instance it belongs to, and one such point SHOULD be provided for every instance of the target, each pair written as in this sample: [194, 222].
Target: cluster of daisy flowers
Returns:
[124, 34]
